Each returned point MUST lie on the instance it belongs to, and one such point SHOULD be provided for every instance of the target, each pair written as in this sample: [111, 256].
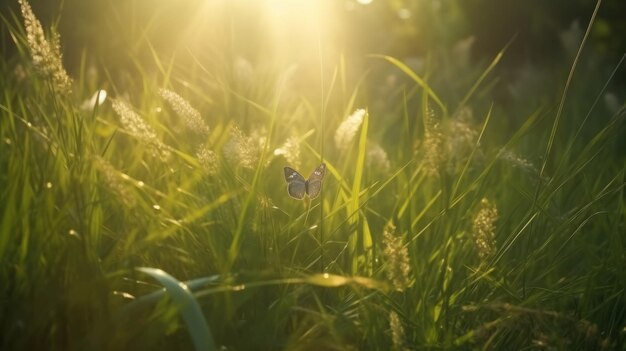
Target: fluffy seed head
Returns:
[190, 116]
[242, 150]
[518, 161]
[484, 229]
[448, 145]
[460, 139]
[291, 151]
[347, 129]
[397, 330]
[433, 146]
[396, 256]
[137, 127]
[46, 55]
[376, 158]
[208, 159]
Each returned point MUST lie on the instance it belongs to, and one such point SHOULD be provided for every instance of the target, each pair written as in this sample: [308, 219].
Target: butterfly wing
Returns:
[296, 184]
[314, 184]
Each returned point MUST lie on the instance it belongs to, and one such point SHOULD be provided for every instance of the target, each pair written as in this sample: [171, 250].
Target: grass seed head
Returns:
[484, 229]
[137, 127]
[242, 150]
[461, 138]
[397, 259]
[397, 330]
[517, 161]
[433, 146]
[291, 151]
[377, 158]
[347, 129]
[208, 159]
[190, 116]
[46, 55]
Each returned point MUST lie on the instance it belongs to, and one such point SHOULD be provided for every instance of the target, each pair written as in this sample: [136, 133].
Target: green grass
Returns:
[101, 226]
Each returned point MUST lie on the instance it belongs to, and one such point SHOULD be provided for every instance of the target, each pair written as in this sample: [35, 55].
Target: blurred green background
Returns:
[446, 37]
[542, 32]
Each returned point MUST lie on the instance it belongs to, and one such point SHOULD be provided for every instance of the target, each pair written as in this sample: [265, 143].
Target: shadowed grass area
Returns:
[443, 222]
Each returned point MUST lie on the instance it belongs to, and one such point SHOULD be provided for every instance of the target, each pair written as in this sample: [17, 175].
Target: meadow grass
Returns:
[159, 219]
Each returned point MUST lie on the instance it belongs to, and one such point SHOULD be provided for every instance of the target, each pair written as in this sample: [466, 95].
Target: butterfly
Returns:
[297, 186]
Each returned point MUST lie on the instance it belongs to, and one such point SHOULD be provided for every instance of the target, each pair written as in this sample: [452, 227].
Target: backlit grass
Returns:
[151, 212]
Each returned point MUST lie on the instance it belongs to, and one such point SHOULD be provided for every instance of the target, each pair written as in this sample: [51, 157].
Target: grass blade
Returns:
[189, 308]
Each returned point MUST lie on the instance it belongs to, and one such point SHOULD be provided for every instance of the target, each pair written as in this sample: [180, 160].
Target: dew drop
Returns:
[124, 295]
